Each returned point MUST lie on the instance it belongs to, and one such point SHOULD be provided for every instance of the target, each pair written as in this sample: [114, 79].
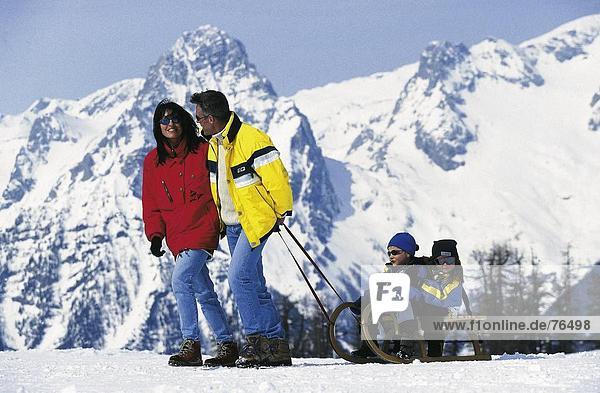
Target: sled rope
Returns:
[311, 261]
[466, 301]
[312, 290]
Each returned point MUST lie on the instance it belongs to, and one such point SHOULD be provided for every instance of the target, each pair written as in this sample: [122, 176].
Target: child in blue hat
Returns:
[401, 253]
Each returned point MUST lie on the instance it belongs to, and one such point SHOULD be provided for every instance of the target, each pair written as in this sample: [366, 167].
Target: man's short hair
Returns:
[212, 102]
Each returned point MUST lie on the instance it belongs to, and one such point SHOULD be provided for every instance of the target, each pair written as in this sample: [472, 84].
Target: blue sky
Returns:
[70, 48]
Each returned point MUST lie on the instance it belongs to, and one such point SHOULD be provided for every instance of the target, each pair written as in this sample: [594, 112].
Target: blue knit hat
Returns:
[404, 241]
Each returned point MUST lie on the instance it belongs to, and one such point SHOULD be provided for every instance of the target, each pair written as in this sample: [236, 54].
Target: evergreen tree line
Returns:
[512, 282]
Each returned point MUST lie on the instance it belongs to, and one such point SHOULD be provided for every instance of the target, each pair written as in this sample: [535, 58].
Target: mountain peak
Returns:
[208, 37]
[39, 105]
[439, 58]
[499, 59]
[210, 47]
[207, 30]
[566, 41]
[46, 105]
[587, 25]
[106, 99]
[209, 58]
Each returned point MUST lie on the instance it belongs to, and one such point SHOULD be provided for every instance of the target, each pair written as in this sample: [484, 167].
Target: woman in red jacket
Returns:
[177, 205]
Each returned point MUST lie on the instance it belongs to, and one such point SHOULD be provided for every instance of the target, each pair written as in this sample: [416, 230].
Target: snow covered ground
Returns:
[87, 370]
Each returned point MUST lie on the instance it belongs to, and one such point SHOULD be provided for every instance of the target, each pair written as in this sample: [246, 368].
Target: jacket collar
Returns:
[177, 152]
[231, 129]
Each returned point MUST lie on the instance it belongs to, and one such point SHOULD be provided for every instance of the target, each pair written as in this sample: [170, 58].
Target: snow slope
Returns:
[482, 144]
[89, 371]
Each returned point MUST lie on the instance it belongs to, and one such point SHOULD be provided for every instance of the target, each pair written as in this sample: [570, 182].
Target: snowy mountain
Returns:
[77, 271]
[483, 144]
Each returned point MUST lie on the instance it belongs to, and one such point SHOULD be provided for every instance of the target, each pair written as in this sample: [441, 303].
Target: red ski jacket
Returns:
[177, 202]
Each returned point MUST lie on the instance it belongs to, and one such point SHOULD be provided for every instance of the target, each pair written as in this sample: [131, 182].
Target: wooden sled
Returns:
[384, 357]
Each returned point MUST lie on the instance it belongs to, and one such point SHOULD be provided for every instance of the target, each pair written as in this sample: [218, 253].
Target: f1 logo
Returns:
[389, 292]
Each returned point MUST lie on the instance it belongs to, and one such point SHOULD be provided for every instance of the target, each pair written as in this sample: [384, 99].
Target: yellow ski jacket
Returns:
[258, 182]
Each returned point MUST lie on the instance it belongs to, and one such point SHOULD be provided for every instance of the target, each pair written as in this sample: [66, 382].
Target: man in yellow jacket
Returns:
[251, 189]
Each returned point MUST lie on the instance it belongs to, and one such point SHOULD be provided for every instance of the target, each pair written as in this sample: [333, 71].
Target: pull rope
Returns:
[311, 260]
[312, 290]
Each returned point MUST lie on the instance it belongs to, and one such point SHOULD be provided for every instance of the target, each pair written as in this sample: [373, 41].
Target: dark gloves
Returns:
[156, 247]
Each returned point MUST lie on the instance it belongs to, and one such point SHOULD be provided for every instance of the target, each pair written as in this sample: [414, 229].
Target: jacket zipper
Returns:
[167, 191]
[217, 177]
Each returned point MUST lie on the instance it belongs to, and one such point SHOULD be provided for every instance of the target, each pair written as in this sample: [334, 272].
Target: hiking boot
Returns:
[364, 351]
[189, 354]
[227, 354]
[254, 353]
[279, 349]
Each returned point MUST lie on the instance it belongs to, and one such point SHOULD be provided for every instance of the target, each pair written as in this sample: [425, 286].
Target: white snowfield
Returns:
[88, 370]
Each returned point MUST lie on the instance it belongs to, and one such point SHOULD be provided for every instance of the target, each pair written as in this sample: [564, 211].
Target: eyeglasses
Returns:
[394, 252]
[167, 119]
[445, 260]
[200, 118]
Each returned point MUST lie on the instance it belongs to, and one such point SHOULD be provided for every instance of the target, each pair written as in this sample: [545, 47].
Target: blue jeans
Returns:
[255, 305]
[191, 282]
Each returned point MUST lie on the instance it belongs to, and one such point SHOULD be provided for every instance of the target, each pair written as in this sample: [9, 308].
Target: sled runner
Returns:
[385, 357]
[381, 355]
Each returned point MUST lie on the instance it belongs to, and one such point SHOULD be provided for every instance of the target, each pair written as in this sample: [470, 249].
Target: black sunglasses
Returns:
[167, 119]
[445, 261]
[394, 252]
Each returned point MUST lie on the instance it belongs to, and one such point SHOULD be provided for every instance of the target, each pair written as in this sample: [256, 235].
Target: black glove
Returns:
[156, 247]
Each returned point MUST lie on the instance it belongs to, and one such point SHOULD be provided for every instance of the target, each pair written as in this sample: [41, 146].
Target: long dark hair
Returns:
[188, 125]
